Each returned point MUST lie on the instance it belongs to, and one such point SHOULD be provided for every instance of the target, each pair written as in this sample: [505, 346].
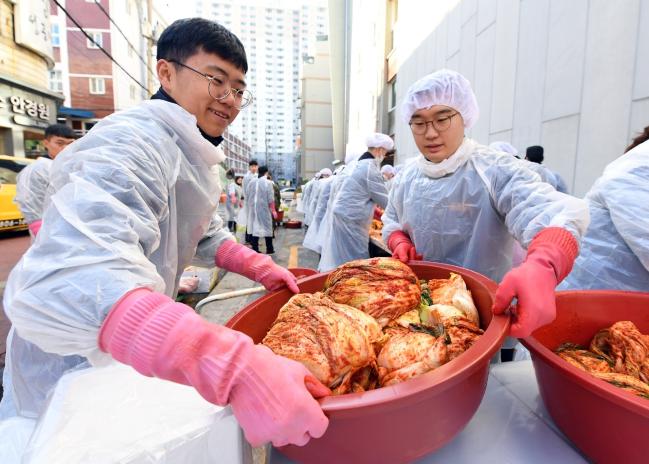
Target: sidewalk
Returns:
[288, 253]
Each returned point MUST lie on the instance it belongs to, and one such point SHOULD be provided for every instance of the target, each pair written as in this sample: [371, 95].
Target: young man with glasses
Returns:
[133, 203]
[462, 203]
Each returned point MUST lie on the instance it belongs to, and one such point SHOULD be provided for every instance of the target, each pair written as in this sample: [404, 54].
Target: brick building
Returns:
[93, 85]
[26, 104]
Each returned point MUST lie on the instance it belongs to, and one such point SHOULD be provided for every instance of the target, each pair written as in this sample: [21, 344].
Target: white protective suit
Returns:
[232, 208]
[313, 237]
[312, 199]
[468, 209]
[261, 219]
[352, 212]
[615, 250]
[132, 205]
[242, 217]
[548, 176]
[326, 262]
[306, 195]
[31, 189]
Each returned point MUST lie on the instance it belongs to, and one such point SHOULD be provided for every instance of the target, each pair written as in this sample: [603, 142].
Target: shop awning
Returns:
[75, 112]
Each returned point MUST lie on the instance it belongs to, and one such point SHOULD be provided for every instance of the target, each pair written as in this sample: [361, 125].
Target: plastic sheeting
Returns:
[614, 253]
[113, 414]
[352, 214]
[133, 204]
[31, 189]
[313, 237]
[471, 216]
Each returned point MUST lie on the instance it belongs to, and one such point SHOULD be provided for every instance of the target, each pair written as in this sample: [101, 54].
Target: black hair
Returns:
[253, 163]
[262, 171]
[59, 130]
[642, 137]
[186, 37]
[229, 174]
[534, 154]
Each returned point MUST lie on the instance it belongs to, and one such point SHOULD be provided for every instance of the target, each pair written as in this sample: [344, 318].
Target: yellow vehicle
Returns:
[10, 216]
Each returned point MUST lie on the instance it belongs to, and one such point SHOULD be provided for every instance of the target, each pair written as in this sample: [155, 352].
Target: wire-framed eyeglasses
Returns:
[440, 124]
[219, 88]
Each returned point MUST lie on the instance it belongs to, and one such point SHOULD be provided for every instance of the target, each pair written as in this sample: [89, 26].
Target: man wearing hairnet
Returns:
[615, 250]
[305, 198]
[313, 237]
[325, 233]
[133, 204]
[353, 207]
[32, 182]
[309, 211]
[464, 204]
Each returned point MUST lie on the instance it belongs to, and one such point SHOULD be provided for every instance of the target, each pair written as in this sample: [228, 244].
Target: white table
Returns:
[510, 426]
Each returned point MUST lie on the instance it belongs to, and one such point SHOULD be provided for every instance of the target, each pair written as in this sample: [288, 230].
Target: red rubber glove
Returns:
[549, 260]
[233, 256]
[35, 226]
[273, 211]
[402, 248]
[378, 212]
[271, 396]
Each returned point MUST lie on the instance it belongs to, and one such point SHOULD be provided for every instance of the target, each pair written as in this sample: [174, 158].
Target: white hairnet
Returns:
[325, 172]
[443, 87]
[378, 140]
[505, 147]
[387, 169]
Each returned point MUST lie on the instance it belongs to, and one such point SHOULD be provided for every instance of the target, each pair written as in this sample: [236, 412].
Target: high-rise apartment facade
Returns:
[276, 34]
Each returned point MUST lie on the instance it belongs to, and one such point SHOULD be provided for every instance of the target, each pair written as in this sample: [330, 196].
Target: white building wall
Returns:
[126, 93]
[317, 133]
[275, 34]
[571, 76]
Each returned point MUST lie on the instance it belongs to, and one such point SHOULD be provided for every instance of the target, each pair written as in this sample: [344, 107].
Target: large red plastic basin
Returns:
[605, 423]
[406, 421]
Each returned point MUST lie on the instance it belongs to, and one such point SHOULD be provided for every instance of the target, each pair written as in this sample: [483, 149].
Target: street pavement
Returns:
[289, 252]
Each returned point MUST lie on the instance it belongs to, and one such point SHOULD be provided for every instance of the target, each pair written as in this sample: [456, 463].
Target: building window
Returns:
[97, 85]
[56, 81]
[56, 36]
[97, 37]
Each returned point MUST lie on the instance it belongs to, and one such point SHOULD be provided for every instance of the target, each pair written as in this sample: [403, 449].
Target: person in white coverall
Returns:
[353, 207]
[313, 237]
[263, 211]
[33, 181]
[615, 250]
[253, 168]
[462, 203]
[326, 238]
[133, 204]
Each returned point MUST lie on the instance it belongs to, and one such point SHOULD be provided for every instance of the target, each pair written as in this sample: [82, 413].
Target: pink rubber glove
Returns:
[269, 394]
[273, 211]
[549, 260]
[233, 256]
[402, 248]
[233, 199]
[35, 226]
